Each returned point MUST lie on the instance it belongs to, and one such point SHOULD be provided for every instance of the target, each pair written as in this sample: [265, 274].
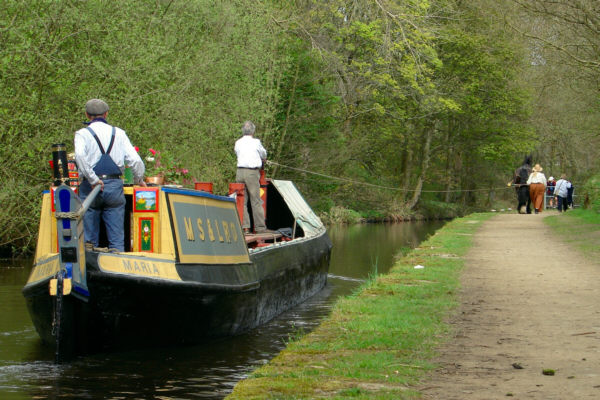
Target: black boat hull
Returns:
[127, 311]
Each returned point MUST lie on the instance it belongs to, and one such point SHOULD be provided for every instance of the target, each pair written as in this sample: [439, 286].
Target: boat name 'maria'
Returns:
[141, 266]
[223, 231]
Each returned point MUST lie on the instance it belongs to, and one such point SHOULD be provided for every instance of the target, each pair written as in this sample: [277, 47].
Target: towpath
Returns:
[529, 302]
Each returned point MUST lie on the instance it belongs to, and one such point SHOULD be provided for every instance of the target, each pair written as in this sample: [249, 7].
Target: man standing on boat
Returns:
[100, 153]
[250, 158]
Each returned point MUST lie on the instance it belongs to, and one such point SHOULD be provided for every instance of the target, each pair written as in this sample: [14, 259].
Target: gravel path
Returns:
[529, 302]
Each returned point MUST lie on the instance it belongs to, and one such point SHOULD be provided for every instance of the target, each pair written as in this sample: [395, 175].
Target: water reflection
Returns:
[204, 371]
[361, 250]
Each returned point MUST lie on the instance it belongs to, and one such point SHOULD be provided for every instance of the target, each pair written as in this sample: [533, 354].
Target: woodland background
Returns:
[435, 101]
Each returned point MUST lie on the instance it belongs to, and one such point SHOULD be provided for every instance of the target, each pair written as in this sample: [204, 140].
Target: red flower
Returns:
[137, 149]
[152, 151]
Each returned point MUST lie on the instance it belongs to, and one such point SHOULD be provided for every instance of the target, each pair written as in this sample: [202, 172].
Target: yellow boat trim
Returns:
[200, 259]
[44, 269]
[46, 242]
[205, 201]
[168, 257]
[145, 267]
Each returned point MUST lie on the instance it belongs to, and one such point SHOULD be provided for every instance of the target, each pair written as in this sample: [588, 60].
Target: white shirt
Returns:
[87, 152]
[537, 177]
[561, 187]
[250, 152]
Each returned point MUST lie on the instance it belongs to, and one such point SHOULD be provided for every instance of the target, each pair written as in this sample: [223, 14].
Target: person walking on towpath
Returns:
[251, 156]
[518, 317]
[100, 152]
[570, 191]
[537, 187]
[550, 185]
[561, 191]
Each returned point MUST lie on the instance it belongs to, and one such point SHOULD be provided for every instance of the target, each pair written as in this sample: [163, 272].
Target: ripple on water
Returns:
[345, 278]
[19, 333]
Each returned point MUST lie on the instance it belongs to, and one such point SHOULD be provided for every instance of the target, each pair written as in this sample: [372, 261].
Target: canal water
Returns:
[208, 371]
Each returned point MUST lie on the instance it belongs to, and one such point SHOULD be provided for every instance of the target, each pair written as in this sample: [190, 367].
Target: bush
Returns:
[589, 193]
[179, 76]
[440, 210]
[340, 215]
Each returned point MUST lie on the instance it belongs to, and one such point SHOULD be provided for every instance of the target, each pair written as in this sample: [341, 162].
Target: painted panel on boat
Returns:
[207, 230]
[44, 269]
[70, 233]
[139, 266]
[46, 242]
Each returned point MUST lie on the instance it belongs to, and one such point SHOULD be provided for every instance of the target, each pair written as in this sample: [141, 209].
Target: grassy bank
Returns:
[579, 227]
[379, 341]
[393, 212]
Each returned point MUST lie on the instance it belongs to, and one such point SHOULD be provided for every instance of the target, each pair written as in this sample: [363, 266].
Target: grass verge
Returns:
[378, 342]
[580, 228]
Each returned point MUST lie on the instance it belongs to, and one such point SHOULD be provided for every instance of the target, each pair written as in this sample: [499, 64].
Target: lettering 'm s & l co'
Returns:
[204, 229]
[207, 231]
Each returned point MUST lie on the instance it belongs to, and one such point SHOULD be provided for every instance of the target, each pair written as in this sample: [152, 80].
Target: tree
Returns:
[178, 76]
[574, 32]
[564, 45]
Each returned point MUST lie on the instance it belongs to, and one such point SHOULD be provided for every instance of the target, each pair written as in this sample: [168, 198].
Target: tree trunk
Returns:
[448, 186]
[424, 167]
[406, 163]
[287, 119]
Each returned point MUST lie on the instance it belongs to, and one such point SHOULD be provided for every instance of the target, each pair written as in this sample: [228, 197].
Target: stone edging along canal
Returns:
[379, 341]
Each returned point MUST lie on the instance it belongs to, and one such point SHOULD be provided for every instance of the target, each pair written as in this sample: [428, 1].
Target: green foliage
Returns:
[178, 76]
[340, 215]
[418, 96]
[580, 228]
[589, 193]
[482, 71]
[563, 61]
[441, 210]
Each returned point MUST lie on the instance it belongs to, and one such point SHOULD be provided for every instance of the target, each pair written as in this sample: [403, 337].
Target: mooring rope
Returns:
[68, 214]
[82, 209]
[381, 186]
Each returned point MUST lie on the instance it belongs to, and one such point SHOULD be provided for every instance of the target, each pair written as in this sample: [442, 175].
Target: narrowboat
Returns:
[188, 273]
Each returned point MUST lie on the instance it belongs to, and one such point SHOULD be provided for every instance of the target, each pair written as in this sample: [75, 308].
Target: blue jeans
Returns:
[562, 204]
[109, 206]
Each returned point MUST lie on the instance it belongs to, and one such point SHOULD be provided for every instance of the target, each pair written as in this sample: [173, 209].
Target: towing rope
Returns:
[384, 187]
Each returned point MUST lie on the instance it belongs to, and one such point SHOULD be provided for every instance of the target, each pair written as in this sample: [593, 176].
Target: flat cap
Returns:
[96, 107]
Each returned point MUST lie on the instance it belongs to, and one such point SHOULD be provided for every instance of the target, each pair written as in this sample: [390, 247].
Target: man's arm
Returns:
[83, 165]
[262, 152]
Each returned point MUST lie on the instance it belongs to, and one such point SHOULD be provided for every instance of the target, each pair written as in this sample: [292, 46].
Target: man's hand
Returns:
[99, 183]
[142, 183]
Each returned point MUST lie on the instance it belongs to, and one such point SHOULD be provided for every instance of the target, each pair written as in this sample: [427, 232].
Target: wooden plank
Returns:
[255, 237]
